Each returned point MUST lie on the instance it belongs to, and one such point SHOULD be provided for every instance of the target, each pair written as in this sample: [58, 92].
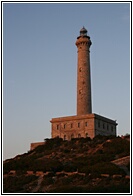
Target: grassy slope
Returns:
[83, 155]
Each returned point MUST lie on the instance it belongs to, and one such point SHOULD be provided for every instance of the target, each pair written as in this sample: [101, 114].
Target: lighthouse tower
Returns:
[83, 43]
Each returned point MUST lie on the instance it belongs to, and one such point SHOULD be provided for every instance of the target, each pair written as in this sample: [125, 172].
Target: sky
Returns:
[40, 67]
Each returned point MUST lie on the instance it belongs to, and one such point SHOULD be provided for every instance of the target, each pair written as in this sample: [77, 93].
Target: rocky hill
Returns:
[84, 165]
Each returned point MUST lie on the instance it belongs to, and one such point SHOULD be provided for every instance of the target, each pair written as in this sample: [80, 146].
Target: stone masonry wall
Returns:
[84, 105]
[82, 126]
[34, 145]
[73, 127]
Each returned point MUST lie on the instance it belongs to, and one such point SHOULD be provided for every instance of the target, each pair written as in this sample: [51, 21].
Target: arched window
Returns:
[79, 135]
[80, 69]
[72, 136]
[65, 137]
[86, 134]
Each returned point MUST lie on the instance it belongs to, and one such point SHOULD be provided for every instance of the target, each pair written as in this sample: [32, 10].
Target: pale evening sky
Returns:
[40, 67]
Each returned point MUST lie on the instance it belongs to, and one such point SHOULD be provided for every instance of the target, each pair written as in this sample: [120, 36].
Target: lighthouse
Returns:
[84, 123]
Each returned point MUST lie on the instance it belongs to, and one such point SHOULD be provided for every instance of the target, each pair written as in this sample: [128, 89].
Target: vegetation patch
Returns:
[70, 167]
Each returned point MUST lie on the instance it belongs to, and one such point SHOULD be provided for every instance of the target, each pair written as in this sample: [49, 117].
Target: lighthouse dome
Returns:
[83, 32]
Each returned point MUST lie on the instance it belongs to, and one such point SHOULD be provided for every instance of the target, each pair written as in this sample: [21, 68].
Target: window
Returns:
[79, 135]
[86, 134]
[80, 91]
[103, 126]
[86, 124]
[98, 123]
[107, 127]
[71, 125]
[72, 136]
[57, 127]
[78, 124]
[80, 69]
[64, 137]
[64, 126]
[112, 128]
